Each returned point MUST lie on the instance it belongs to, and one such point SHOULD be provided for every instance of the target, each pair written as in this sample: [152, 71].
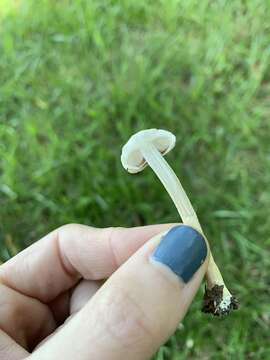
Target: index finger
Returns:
[55, 263]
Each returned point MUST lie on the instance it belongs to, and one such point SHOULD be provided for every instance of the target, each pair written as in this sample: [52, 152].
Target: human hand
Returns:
[56, 287]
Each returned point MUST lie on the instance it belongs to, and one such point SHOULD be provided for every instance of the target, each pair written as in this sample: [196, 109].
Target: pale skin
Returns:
[55, 304]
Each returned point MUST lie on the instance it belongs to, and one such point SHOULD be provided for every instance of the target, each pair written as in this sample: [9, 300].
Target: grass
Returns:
[79, 77]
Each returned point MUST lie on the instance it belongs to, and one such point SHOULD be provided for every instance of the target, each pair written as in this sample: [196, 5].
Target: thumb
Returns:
[141, 304]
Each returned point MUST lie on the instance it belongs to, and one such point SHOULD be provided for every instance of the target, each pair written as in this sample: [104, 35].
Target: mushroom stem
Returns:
[213, 275]
[171, 183]
[179, 197]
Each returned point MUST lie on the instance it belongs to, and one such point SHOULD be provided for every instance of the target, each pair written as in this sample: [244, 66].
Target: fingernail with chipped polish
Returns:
[183, 250]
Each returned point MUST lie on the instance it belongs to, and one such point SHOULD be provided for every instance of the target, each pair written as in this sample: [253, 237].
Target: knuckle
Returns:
[124, 318]
[112, 231]
[11, 309]
[67, 227]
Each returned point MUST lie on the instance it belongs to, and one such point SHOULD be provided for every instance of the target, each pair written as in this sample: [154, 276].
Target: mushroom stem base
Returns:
[217, 303]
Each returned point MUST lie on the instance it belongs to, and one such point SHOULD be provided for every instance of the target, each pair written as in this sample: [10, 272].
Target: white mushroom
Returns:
[148, 147]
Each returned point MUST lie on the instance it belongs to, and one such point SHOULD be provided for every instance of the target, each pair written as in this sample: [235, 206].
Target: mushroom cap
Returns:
[132, 158]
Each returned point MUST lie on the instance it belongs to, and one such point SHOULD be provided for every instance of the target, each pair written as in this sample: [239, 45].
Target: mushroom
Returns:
[147, 147]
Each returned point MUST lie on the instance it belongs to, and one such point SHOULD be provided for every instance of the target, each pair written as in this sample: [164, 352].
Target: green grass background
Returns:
[77, 78]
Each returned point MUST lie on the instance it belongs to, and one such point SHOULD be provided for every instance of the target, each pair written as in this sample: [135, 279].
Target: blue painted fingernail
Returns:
[183, 250]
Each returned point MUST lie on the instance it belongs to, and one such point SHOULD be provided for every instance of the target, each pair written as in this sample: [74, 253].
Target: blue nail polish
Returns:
[183, 250]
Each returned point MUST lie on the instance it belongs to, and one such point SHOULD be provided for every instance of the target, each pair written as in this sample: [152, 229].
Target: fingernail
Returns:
[183, 250]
